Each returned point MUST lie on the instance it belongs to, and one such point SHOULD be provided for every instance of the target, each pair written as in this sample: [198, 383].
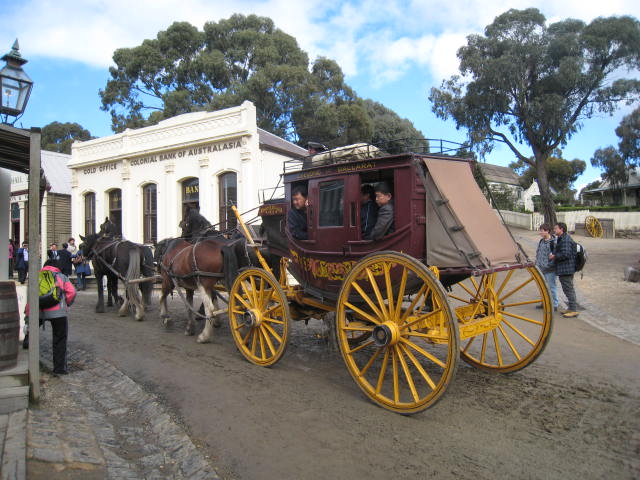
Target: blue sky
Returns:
[392, 52]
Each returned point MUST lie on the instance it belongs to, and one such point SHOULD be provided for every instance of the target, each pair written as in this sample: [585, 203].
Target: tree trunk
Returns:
[546, 200]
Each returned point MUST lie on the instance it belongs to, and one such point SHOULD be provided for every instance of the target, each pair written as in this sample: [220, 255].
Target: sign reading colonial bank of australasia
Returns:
[144, 179]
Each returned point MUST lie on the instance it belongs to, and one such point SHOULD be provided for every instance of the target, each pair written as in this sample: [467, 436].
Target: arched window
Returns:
[150, 213]
[190, 194]
[89, 213]
[115, 208]
[228, 197]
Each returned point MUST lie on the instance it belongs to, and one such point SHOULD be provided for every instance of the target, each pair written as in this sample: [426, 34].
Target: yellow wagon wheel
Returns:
[505, 318]
[259, 316]
[593, 226]
[411, 356]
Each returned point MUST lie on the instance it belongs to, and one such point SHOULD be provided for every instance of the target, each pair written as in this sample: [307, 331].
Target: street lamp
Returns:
[15, 85]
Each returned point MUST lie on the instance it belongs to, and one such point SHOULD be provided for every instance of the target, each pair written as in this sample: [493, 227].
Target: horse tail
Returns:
[133, 272]
[230, 265]
[148, 270]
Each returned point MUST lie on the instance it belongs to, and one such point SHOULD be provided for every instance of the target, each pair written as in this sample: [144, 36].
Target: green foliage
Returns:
[629, 133]
[58, 137]
[394, 133]
[526, 82]
[236, 59]
[614, 168]
[562, 174]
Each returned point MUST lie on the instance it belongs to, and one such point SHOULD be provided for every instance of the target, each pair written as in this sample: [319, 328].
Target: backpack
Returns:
[50, 293]
[581, 256]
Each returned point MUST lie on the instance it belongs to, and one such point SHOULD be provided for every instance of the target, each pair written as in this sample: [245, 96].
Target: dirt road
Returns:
[575, 413]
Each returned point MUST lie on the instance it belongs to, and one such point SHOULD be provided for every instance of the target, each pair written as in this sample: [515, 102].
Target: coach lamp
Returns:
[15, 85]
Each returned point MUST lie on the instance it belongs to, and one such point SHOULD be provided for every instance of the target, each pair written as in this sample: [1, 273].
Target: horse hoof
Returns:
[99, 309]
[166, 322]
[202, 339]
[188, 333]
[139, 319]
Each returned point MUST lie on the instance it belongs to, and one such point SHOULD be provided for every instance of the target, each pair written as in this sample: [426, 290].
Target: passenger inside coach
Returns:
[368, 209]
[297, 216]
[385, 221]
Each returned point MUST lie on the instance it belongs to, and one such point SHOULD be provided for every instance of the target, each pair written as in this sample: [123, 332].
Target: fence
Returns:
[532, 221]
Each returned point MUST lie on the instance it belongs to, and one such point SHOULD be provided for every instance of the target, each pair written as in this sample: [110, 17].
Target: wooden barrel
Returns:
[9, 325]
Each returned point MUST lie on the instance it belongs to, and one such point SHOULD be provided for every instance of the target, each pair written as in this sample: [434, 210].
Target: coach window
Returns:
[331, 204]
[89, 213]
[115, 208]
[150, 213]
[228, 197]
[190, 194]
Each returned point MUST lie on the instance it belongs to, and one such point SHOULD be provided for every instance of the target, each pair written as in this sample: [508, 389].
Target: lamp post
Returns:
[15, 85]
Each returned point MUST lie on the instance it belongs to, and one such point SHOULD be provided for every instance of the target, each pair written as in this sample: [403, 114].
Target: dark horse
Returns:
[115, 258]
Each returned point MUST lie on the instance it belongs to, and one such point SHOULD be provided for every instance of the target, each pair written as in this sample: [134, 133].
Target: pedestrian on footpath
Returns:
[11, 255]
[57, 315]
[22, 262]
[82, 270]
[546, 247]
[564, 258]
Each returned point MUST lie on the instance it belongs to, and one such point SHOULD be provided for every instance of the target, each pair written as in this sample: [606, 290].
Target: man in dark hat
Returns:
[315, 147]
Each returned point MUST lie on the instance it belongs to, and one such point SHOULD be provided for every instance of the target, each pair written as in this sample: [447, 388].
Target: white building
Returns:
[55, 220]
[145, 179]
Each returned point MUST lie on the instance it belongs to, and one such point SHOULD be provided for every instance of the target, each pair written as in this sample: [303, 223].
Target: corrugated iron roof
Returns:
[56, 172]
[279, 144]
[498, 174]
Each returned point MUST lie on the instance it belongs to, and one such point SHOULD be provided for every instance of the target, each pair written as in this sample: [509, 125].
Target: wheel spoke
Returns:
[360, 347]
[401, 289]
[273, 320]
[252, 280]
[407, 326]
[366, 298]
[265, 331]
[390, 300]
[376, 290]
[524, 319]
[413, 303]
[509, 342]
[484, 347]
[518, 288]
[466, 348]
[504, 282]
[362, 313]
[269, 329]
[519, 304]
[365, 369]
[419, 367]
[263, 351]
[423, 352]
[524, 337]
[496, 344]
[383, 370]
[407, 374]
[396, 387]
[241, 299]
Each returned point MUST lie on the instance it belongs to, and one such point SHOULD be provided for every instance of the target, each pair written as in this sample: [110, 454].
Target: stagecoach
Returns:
[450, 282]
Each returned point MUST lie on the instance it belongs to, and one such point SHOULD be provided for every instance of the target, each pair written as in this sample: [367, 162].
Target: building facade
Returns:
[145, 179]
[627, 194]
[55, 219]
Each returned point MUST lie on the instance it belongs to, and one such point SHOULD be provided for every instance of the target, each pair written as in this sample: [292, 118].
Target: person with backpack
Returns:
[564, 258]
[61, 297]
[546, 246]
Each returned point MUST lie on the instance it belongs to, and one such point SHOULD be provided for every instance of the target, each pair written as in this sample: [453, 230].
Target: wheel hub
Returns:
[252, 318]
[386, 334]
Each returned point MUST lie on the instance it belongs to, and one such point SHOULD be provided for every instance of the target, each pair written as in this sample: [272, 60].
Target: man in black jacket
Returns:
[297, 216]
[385, 222]
[64, 260]
[564, 258]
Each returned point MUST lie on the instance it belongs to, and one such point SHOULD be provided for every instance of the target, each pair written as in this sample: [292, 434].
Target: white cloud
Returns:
[382, 39]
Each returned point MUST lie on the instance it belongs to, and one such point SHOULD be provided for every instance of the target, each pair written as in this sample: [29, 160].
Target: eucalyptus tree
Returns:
[58, 137]
[532, 85]
[230, 61]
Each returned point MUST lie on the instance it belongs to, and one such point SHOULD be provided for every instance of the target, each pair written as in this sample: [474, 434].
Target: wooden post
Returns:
[34, 264]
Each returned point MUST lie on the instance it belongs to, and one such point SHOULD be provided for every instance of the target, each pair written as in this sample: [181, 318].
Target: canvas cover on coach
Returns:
[462, 228]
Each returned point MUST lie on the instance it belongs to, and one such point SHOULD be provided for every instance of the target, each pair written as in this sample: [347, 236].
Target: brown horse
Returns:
[192, 267]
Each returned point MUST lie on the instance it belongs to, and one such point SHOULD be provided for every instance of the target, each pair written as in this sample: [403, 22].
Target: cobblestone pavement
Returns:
[97, 423]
